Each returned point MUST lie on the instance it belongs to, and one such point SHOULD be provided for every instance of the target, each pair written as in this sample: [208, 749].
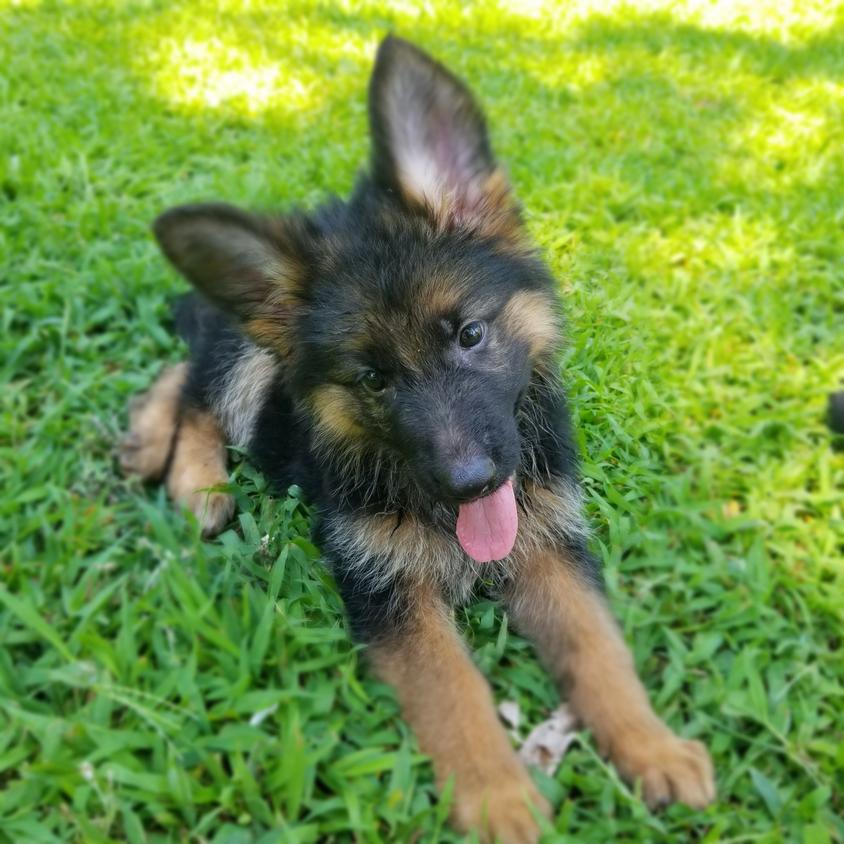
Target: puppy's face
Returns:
[410, 319]
[424, 342]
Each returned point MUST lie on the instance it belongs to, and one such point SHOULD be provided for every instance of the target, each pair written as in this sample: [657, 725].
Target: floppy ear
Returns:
[430, 143]
[252, 268]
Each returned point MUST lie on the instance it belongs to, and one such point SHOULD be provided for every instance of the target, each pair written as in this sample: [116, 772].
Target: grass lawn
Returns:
[682, 166]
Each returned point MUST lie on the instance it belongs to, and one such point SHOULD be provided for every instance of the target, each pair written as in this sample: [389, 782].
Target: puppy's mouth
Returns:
[487, 526]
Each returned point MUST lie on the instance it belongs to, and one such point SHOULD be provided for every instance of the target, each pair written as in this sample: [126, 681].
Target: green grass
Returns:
[682, 169]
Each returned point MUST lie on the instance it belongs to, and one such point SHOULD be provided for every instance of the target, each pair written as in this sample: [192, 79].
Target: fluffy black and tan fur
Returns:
[333, 346]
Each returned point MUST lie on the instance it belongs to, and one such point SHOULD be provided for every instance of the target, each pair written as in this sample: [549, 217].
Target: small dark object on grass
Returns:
[836, 412]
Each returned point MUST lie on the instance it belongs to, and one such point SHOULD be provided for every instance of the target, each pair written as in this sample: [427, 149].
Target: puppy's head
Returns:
[410, 319]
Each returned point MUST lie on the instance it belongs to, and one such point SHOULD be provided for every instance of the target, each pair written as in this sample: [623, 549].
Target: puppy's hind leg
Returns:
[169, 437]
[153, 420]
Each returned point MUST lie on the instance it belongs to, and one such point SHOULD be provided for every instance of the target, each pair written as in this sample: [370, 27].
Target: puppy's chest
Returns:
[380, 548]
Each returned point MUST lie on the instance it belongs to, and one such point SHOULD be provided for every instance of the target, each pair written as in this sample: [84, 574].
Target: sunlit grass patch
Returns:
[206, 74]
[787, 21]
[204, 67]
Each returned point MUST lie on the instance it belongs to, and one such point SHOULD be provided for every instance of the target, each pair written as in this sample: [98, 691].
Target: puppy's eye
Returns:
[471, 334]
[373, 381]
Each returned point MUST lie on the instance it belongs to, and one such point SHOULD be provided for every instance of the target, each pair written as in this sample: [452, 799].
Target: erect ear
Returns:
[430, 143]
[253, 268]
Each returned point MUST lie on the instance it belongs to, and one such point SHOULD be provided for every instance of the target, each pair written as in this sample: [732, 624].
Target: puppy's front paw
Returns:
[500, 811]
[670, 768]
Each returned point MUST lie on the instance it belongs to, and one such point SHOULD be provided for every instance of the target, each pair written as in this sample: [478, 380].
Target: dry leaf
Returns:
[547, 742]
[510, 713]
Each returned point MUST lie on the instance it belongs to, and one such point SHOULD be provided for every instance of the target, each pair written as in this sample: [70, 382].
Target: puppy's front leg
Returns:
[448, 705]
[555, 600]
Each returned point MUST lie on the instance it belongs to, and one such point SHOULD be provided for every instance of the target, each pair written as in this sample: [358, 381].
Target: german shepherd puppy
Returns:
[397, 356]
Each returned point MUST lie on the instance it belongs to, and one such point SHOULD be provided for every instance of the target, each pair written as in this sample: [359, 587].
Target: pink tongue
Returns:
[486, 528]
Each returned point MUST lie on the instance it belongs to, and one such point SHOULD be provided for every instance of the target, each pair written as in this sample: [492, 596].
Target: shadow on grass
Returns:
[817, 56]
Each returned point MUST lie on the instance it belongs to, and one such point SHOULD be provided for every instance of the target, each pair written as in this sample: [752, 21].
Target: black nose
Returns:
[467, 478]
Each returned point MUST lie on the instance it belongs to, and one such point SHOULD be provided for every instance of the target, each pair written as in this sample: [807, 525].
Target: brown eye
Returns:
[471, 334]
[373, 380]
